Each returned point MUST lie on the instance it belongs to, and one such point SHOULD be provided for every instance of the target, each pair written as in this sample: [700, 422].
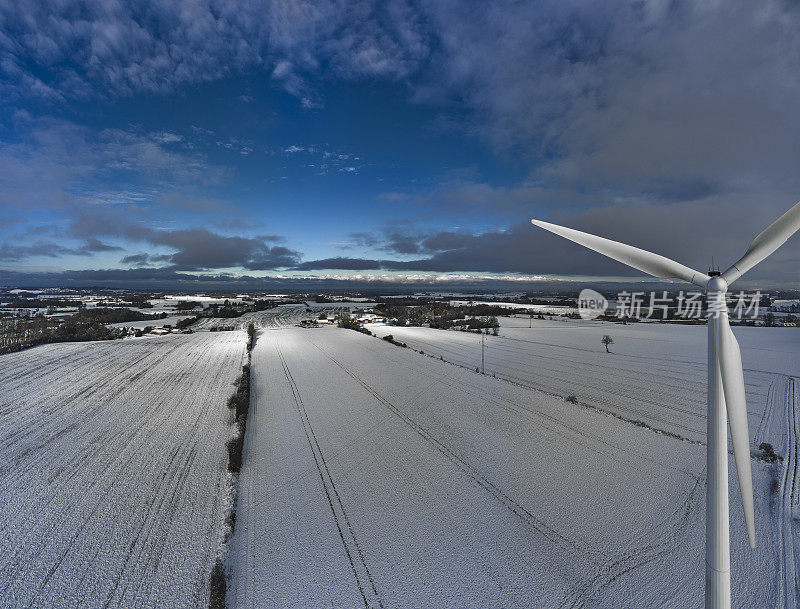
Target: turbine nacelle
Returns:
[717, 284]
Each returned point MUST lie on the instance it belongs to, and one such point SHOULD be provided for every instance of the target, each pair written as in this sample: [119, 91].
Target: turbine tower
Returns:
[726, 397]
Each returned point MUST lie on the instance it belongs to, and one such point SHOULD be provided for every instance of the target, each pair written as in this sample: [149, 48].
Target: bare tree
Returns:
[607, 340]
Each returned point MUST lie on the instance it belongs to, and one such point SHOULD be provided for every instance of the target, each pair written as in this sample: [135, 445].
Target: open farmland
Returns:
[112, 468]
[154, 322]
[378, 477]
[655, 373]
[277, 317]
[271, 318]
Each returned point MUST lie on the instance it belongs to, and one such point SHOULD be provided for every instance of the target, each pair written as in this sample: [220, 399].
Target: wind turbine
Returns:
[725, 384]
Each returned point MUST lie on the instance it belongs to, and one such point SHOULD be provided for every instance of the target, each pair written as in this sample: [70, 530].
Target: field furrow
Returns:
[112, 466]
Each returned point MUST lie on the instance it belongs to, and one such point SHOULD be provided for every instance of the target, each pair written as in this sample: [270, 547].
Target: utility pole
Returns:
[483, 340]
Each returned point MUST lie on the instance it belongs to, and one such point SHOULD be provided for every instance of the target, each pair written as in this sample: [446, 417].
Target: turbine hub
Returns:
[717, 284]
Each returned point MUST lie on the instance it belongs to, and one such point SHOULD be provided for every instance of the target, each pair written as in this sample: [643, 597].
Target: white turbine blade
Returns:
[730, 364]
[653, 264]
[767, 241]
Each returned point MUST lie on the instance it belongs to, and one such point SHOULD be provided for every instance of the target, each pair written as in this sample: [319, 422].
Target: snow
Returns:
[155, 322]
[375, 476]
[277, 317]
[341, 305]
[112, 468]
[655, 373]
[533, 308]
[271, 318]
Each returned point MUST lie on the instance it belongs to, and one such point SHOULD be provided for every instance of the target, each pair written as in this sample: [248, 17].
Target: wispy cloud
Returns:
[125, 48]
[56, 163]
[617, 96]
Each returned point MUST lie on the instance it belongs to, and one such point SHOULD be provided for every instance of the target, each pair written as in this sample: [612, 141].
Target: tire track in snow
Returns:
[352, 549]
[662, 538]
[789, 489]
[766, 415]
[506, 500]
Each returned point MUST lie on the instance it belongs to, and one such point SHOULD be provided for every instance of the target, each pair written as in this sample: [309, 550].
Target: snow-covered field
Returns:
[155, 322]
[655, 373]
[533, 308]
[341, 305]
[378, 477]
[112, 470]
[271, 318]
[278, 317]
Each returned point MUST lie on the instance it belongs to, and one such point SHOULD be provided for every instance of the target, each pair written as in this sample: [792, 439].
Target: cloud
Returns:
[352, 264]
[674, 100]
[360, 239]
[166, 137]
[202, 249]
[57, 163]
[125, 48]
[523, 248]
[93, 245]
[404, 240]
[620, 95]
[166, 278]
[664, 121]
[39, 248]
[401, 243]
[469, 197]
[271, 238]
[136, 259]
[192, 249]
[49, 249]
[445, 240]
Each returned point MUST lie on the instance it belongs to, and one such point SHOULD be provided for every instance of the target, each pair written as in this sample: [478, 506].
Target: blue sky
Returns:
[394, 139]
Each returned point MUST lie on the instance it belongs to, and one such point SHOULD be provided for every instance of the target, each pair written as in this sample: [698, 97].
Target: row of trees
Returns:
[443, 315]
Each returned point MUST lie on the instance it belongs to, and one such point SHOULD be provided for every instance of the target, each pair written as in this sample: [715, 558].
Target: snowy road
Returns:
[377, 477]
[112, 470]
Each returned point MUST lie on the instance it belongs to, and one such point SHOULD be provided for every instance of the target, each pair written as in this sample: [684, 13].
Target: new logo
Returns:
[591, 304]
